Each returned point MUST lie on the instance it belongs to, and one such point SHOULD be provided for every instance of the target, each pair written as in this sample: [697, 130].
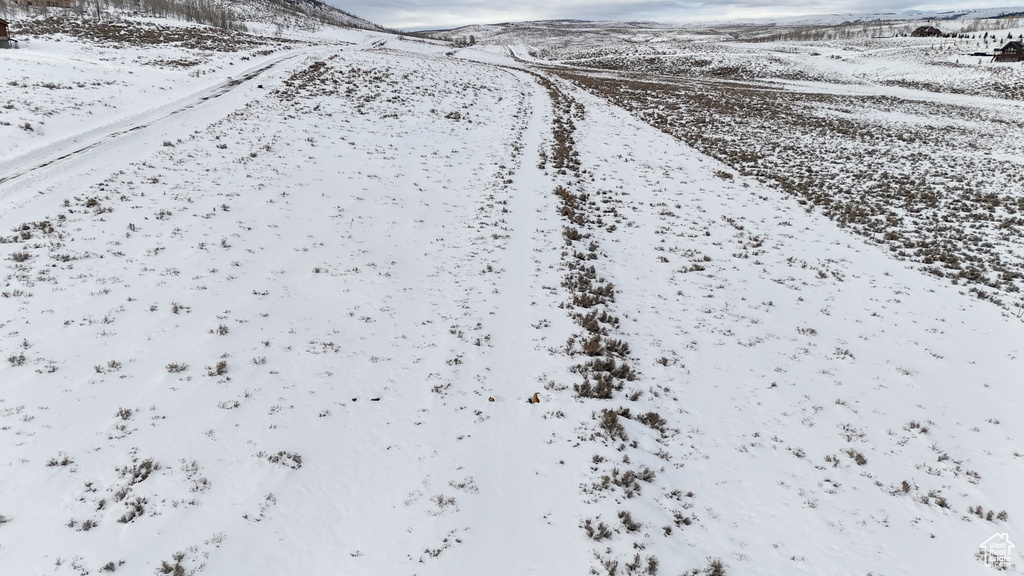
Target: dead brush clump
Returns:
[610, 425]
[62, 459]
[628, 522]
[573, 205]
[175, 63]
[589, 290]
[175, 567]
[934, 497]
[715, 567]
[609, 368]
[655, 421]
[35, 230]
[136, 507]
[284, 458]
[600, 388]
[857, 456]
[628, 481]
[219, 369]
[599, 532]
[596, 322]
[991, 515]
[140, 471]
[134, 474]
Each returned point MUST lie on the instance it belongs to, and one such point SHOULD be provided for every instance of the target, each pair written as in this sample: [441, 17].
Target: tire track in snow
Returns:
[191, 102]
[526, 464]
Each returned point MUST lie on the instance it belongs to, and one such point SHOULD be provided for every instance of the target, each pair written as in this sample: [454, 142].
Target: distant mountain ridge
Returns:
[822, 19]
[543, 32]
[801, 20]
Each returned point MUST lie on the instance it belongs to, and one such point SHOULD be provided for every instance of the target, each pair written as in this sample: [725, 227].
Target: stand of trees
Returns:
[287, 13]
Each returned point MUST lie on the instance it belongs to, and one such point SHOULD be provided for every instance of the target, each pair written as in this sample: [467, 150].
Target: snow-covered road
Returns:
[71, 145]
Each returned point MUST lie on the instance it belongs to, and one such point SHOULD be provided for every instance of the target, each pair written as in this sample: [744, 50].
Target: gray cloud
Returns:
[419, 14]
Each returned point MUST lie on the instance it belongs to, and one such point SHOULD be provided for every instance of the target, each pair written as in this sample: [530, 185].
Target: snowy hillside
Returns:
[278, 308]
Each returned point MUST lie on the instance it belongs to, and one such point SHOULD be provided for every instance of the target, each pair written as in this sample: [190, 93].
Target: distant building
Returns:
[926, 32]
[5, 38]
[1012, 52]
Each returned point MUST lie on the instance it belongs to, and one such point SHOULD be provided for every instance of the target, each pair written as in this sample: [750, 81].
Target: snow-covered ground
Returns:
[292, 329]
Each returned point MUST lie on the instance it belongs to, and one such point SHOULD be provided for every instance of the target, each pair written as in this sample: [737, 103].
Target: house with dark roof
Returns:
[926, 32]
[1012, 52]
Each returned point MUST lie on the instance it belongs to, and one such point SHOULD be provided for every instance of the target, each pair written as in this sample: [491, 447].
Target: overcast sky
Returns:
[420, 14]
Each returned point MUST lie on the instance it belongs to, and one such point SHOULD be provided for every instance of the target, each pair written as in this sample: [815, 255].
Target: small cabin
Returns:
[1012, 52]
[926, 32]
[5, 37]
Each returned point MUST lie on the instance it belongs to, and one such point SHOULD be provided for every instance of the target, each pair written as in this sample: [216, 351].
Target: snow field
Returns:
[264, 332]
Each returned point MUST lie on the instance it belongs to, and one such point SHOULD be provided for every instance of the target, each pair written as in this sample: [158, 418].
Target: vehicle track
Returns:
[205, 96]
